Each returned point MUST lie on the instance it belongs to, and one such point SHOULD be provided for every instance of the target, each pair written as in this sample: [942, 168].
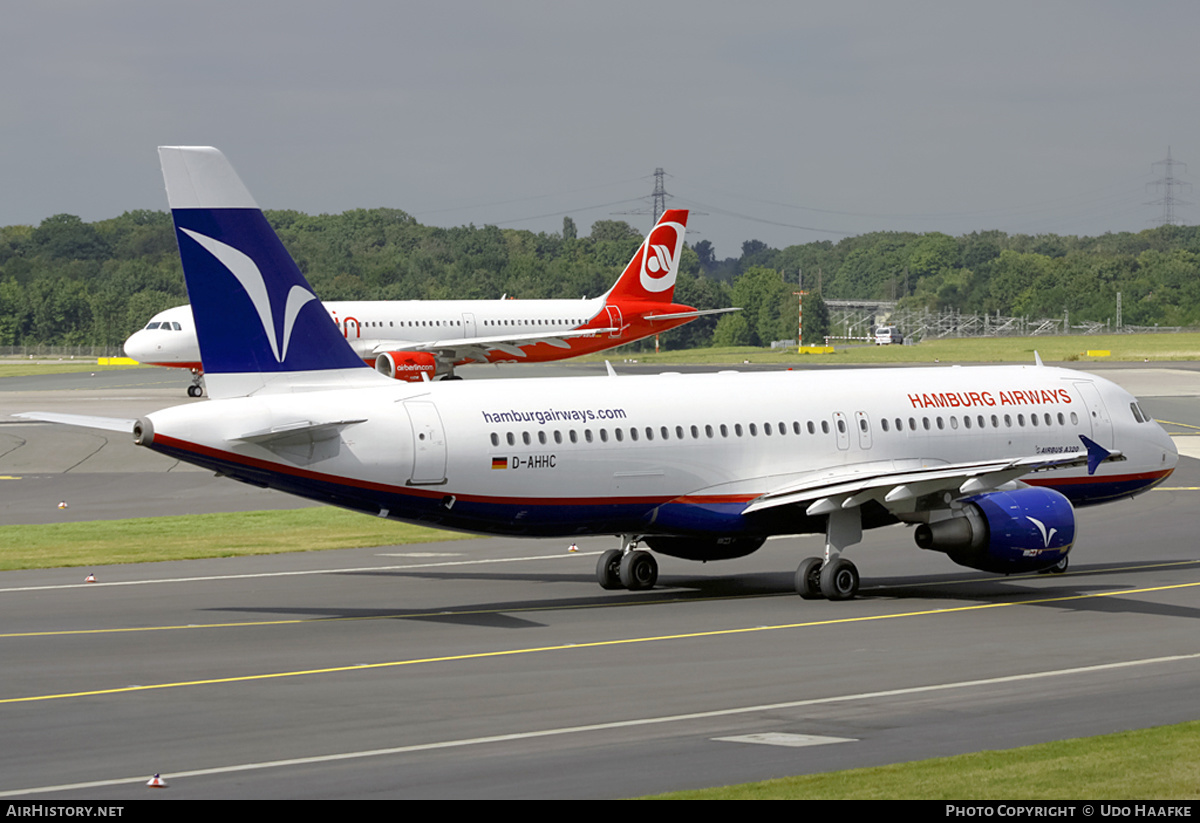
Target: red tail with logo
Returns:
[650, 275]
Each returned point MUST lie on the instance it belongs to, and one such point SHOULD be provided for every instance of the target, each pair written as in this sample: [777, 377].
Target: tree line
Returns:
[69, 282]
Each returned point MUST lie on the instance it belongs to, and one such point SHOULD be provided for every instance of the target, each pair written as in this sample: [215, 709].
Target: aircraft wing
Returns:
[897, 487]
[457, 347]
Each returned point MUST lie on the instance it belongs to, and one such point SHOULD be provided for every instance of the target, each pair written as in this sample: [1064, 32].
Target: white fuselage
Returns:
[169, 338]
[670, 454]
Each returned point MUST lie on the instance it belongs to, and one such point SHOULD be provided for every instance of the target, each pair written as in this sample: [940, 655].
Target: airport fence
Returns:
[856, 319]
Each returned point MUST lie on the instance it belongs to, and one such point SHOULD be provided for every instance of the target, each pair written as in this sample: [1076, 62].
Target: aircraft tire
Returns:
[608, 570]
[1057, 568]
[808, 579]
[639, 570]
[839, 580]
[195, 391]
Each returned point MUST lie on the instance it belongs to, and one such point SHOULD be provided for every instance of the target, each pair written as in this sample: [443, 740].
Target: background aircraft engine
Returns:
[705, 548]
[1019, 531]
[406, 365]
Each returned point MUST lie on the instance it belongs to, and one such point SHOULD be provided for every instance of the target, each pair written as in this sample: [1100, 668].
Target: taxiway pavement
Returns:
[496, 668]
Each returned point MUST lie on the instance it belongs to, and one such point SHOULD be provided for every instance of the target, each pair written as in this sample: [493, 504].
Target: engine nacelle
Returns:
[705, 548]
[406, 365]
[1008, 532]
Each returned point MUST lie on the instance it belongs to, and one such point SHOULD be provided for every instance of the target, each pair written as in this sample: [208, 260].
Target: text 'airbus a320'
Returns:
[987, 462]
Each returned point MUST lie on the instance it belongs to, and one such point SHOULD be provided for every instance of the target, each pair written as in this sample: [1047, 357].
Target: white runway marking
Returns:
[784, 739]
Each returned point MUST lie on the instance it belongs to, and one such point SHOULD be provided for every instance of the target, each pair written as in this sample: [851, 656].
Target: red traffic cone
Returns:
[157, 782]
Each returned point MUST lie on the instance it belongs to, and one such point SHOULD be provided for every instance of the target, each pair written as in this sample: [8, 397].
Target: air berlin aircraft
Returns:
[419, 339]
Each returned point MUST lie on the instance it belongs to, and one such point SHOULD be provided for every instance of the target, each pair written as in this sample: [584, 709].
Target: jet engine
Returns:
[705, 548]
[1009, 532]
[406, 365]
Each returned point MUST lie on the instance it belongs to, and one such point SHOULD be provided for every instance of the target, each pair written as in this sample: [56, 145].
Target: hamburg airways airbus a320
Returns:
[987, 463]
[415, 339]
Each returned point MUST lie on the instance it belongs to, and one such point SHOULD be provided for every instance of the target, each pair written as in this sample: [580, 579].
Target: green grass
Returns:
[1124, 347]
[16, 368]
[188, 537]
[1160, 763]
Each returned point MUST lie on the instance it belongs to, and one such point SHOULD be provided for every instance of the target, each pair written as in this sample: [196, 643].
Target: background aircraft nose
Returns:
[137, 346]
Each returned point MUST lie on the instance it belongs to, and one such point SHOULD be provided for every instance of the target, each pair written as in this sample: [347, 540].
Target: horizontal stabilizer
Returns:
[87, 421]
[301, 429]
[688, 314]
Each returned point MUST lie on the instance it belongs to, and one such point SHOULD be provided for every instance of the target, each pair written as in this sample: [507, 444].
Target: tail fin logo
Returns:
[660, 257]
[247, 273]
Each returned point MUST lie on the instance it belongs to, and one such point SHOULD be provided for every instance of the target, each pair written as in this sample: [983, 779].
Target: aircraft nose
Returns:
[138, 347]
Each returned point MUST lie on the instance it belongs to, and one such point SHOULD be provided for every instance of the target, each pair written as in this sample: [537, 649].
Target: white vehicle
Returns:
[885, 335]
[986, 462]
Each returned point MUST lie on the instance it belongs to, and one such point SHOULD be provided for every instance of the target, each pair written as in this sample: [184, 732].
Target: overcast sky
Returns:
[787, 122]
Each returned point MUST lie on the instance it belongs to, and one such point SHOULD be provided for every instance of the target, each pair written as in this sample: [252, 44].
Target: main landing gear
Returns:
[832, 577]
[626, 567]
[835, 580]
[197, 387]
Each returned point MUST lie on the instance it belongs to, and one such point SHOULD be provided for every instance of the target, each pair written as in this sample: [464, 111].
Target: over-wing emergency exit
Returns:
[988, 463]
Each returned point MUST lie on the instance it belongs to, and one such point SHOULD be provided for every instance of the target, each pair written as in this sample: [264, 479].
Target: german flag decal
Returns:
[499, 462]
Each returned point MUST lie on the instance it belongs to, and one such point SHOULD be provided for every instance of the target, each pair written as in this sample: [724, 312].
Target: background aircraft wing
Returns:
[897, 485]
[460, 347]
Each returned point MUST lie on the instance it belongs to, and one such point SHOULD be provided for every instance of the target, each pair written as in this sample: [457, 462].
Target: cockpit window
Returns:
[176, 326]
[1137, 413]
[152, 325]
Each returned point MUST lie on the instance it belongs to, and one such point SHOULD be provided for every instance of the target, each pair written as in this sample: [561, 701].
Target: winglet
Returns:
[1037, 358]
[611, 371]
[1096, 454]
